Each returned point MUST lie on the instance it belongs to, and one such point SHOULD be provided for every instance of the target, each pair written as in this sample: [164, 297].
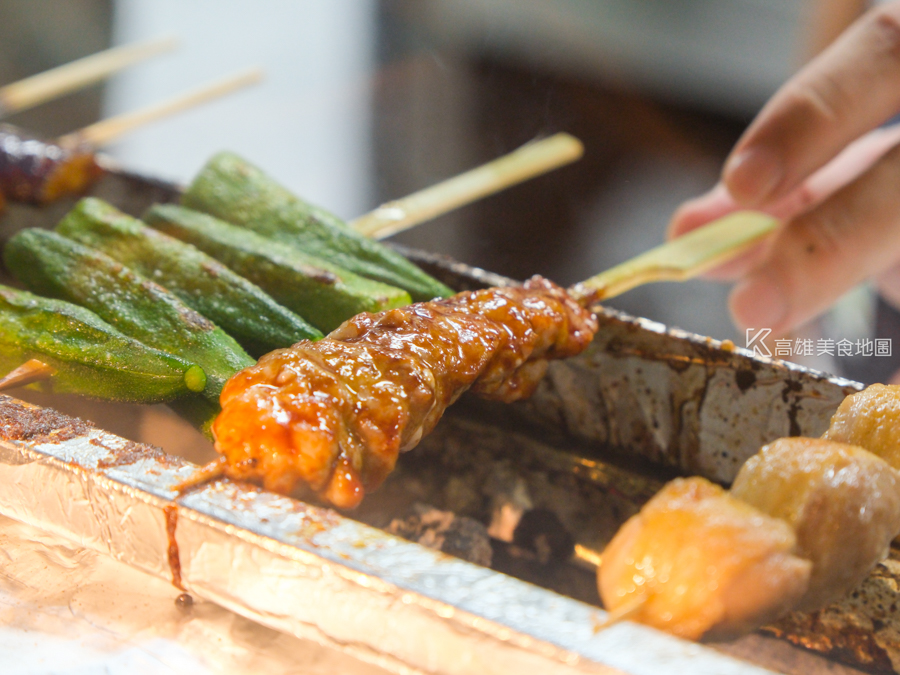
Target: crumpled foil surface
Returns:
[306, 571]
[66, 609]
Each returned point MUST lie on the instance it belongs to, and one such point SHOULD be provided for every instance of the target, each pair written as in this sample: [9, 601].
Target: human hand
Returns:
[807, 159]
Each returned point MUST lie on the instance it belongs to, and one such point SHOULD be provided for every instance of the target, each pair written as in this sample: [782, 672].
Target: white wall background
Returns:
[307, 124]
[726, 55]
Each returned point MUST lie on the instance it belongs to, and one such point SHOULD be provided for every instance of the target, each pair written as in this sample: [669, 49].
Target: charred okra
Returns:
[320, 291]
[87, 355]
[240, 308]
[234, 190]
[52, 265]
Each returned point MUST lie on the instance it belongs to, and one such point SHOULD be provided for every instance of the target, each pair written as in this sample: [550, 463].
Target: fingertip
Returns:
[752, 175]
[699, 211]
[685, 219]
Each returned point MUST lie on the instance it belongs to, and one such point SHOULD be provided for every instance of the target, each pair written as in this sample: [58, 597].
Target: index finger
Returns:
[852, 87]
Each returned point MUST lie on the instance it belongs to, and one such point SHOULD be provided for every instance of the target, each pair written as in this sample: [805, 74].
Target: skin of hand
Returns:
[815, 159]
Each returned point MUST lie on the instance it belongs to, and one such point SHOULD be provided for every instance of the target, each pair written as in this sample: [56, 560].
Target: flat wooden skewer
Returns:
[682, 258]
[30, 371]
[627, 611]
[50, 84]
[532, 159]
[108, 130]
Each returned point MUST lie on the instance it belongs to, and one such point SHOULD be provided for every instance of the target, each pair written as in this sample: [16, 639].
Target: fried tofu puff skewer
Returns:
[336, 413]
[696, 564]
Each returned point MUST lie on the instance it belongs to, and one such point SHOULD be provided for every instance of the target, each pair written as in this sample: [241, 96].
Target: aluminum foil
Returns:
[66, 609]
[680, 400]
[308, 571]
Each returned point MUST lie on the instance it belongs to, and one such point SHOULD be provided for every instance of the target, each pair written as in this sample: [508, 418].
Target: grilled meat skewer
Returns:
[38, 171]
[336, 413]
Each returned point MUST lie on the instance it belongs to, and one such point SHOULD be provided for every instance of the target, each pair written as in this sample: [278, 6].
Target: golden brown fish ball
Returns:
[871, 420]
[842, 501]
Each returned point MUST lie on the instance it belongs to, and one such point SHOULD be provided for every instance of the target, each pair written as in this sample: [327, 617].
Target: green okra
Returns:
[230, 188]
[320, 291]
[52, 265]
[88, 356]
[237, 306]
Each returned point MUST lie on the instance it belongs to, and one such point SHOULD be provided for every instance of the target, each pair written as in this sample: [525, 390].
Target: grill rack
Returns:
[673, 398]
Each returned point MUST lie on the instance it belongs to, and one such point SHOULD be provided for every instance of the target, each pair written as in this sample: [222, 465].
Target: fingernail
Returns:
[751, 176]
[759, 302]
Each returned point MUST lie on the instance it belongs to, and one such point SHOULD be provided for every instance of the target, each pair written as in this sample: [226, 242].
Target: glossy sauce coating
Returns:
[37, 171]
[696, 562]
[842, 501]
[335, 414]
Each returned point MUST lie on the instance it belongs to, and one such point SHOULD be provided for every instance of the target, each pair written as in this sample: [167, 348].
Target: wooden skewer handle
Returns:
[682, 258]
[624, 613]
[108, 130]
[205, 474]
[50, 84]
[29, 372]
[527, 162]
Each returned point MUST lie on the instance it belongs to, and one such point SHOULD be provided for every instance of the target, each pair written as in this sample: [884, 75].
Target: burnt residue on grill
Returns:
[444, 531]
[793, 402]
[860, 629]
[171, 513]
[852, 645]
[128, 453]
[474, 470]
[744, 379]
[22, 422]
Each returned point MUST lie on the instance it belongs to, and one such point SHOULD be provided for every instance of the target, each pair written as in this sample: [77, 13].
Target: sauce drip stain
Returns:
[171, 511]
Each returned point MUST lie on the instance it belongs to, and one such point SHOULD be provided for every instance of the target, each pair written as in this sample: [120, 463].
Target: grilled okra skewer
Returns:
[237, 306]
[55, 266]
[234, 190]
[320, 291]
[87, 355]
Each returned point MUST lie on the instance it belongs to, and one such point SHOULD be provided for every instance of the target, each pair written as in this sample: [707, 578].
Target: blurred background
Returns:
[369, 100]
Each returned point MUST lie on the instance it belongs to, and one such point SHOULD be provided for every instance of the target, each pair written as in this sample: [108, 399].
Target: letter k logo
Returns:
[756, 341]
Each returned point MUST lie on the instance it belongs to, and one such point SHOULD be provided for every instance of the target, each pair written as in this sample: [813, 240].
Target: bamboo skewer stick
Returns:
[205, 474]
[682, 258]
[624, 613]
[53, 83]
[108, 130]
[29, 372]
[532, 159]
